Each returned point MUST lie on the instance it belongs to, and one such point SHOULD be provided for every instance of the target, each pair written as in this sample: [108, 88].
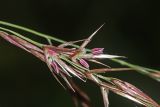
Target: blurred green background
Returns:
[131, 29]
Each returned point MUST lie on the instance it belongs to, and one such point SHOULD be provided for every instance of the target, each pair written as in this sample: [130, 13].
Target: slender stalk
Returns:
[135, 67]
[23, 37]
[48, 37]
[104, 70]
[31, 31]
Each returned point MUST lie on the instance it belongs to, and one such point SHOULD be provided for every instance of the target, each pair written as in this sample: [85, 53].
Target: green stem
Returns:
[19, 35]
[48, 37]
[140, 69]
[136, 67]
[130, 65]
[31, 31]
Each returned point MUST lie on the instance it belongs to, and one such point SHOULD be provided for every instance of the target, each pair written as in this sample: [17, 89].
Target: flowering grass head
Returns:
[67, 61]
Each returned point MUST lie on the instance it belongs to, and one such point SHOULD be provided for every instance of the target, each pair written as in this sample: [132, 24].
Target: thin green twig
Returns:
[31, 31]
[23, 37]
